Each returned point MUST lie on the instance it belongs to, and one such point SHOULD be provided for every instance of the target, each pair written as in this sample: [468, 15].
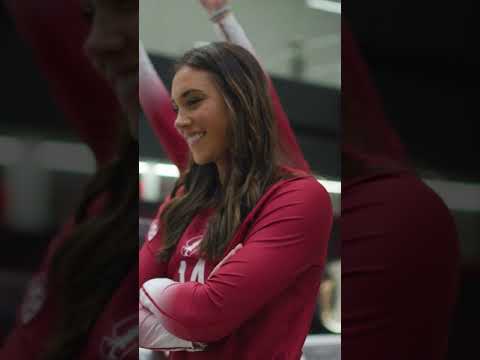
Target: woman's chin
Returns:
[200, 160]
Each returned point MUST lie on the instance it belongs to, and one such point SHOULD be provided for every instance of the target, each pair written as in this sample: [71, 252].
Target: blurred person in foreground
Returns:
[82, 302]
[240, 209]
[400, 250]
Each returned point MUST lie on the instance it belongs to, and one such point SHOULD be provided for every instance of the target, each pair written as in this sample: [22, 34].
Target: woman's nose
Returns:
[182, 122]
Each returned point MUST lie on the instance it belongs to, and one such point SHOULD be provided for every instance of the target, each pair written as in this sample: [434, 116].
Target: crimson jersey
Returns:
[259, 303]
[114, 335]
[399, 269]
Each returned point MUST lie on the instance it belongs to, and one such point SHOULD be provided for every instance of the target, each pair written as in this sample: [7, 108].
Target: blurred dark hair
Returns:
[253, 153]
[91, 263]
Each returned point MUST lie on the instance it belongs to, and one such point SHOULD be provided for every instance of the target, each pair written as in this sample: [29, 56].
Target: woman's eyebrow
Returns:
[189, 91]
[186, 93]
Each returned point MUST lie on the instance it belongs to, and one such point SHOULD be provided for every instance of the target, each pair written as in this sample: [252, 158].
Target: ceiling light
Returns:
[333, 187]
[325, 5]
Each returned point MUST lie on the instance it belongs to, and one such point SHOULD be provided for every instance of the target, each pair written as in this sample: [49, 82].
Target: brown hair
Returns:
[91, 263]
[253, 154]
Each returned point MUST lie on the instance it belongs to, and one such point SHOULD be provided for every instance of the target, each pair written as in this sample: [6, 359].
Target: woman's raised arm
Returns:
[155, 102]
[227, 28]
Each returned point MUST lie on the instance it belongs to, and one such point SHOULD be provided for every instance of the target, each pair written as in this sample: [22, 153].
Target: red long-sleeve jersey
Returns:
[259, 303]
[399, 269]
[114, 335]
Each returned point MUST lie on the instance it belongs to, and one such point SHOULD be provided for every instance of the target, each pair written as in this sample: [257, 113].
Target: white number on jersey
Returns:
[198, 273]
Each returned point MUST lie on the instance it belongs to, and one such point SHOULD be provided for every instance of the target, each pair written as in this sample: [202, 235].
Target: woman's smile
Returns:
[195, 138]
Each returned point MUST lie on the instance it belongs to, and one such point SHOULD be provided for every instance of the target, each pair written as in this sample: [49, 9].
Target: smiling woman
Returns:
[236, 213]
[220, 95]
[202, 115]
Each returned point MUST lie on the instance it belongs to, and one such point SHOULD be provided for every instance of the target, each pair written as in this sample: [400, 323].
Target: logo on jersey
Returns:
[34, 297]
[123, 341]
[191, 246]
[153, 230]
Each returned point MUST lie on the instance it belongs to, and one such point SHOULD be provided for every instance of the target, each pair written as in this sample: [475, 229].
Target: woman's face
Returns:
[202, 115]
[112, 46]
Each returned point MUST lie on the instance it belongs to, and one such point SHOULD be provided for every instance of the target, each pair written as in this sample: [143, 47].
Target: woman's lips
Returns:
[195, 138]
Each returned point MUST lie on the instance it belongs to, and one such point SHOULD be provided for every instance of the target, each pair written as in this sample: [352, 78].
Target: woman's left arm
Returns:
[154, 337]
[289, 237]
[152, 334]
[155, 102]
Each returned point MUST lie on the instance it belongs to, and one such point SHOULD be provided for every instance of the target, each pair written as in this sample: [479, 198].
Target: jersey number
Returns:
[198, 273]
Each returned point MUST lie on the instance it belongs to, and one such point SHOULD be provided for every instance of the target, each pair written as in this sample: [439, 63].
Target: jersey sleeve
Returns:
[289, 237]
[155, 102]
[154, 336]
[149, 266]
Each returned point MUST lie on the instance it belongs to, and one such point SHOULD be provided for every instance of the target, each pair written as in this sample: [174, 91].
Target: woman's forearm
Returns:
[153, 335]
[155, 102]
[229, 29]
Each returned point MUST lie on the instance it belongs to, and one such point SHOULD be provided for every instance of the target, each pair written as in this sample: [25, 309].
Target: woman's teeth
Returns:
[195, 138]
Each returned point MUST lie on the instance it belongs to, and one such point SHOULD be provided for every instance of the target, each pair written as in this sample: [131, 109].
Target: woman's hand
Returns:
[153, 335]
[213, 5]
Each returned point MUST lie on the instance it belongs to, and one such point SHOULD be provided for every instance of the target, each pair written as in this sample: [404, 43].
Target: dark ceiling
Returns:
[422, 57]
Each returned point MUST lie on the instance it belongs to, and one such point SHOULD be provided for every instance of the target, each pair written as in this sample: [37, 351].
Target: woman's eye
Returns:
[193, 102]
[188, 104]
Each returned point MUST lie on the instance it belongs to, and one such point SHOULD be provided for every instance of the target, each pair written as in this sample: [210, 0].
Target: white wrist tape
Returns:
[229, 29]
[219, 12]
[145, 68]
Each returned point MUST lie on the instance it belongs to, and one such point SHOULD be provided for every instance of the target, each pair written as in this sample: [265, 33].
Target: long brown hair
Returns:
[91, 263]
[253, 154]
